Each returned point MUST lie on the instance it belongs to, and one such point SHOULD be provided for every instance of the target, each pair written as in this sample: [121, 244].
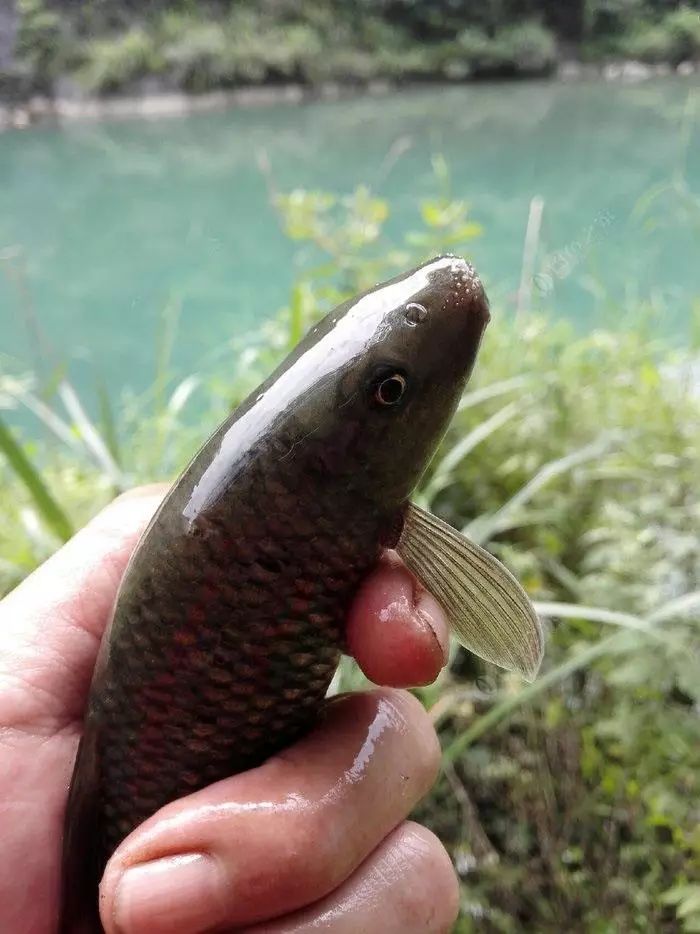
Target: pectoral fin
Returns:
[489, 612]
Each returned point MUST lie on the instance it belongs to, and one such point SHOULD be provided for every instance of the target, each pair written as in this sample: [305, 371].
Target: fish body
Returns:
[228, 625]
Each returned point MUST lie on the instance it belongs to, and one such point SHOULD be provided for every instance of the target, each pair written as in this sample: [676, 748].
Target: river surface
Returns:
[104, 225]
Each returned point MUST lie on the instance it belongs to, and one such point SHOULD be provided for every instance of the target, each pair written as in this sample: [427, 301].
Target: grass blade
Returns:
[299, 306]
[108, 423]
[530, 248]
[168, 326]
[181, 394]
[492, 391]
[60, 428]
[90, 435]
[500, 711]
[483, 528]
[49, 509]
[443, 473]
[594, 614]
[677, 607]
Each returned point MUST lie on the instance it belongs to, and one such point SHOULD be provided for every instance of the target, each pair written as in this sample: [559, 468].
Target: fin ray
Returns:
[489, 612]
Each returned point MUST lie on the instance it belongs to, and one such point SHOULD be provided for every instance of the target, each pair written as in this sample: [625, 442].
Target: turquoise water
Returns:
[115, 220]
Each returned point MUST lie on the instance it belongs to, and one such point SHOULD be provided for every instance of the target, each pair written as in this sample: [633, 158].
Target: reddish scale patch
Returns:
[299, 606]
[184, 637]
[305, 586]
[196, 614]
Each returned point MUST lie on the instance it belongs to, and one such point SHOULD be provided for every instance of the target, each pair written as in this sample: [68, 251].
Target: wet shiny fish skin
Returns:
[228, 624]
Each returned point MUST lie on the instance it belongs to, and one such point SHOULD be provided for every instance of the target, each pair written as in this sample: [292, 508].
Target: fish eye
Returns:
[390, 389]
[415, 313]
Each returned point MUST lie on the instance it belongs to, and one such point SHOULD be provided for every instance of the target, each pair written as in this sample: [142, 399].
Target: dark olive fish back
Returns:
[229, 622]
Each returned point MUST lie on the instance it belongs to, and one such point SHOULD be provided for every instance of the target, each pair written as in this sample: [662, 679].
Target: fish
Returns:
[229, 621]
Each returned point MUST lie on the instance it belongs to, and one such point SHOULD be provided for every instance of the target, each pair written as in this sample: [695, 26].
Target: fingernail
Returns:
[178, 891]
[444, 649]
[430, 611]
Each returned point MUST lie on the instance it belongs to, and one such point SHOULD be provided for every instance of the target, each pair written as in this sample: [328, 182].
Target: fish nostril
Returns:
[415, 313]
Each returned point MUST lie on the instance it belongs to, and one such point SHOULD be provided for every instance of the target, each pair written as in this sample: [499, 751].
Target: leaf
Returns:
[432, 213]
[677, 893]
[468, 231]
[58, 426]
[50, 511]
[690, 905]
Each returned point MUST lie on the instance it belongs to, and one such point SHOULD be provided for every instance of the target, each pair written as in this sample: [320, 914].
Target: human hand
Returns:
[314, 839]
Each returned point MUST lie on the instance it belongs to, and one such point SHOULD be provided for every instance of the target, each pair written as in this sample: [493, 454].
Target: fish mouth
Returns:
[466, 290]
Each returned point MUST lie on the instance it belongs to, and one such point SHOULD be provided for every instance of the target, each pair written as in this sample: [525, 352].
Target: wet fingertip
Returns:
[177, 892]
[396, 630]
[403, 652]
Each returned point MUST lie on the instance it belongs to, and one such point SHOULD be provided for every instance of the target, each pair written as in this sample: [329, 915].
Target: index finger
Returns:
[396, 630]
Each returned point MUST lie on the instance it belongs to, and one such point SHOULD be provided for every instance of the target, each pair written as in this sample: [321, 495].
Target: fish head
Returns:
[359, 406]
[420, 337]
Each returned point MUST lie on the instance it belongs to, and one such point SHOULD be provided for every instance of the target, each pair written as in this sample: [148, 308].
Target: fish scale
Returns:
[229, 621]
[239, 630]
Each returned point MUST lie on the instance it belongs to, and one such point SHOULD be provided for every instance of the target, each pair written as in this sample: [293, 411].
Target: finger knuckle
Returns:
[422, 741]
[308, 860]
[431, 902]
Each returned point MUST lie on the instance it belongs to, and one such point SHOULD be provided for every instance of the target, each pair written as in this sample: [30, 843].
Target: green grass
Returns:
[19, 463]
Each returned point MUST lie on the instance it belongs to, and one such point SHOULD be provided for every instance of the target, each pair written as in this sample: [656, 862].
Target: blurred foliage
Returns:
[112, 46]
[570, 804]
[45, 46]
[528, 49]
[676, 38]
[111, 64]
